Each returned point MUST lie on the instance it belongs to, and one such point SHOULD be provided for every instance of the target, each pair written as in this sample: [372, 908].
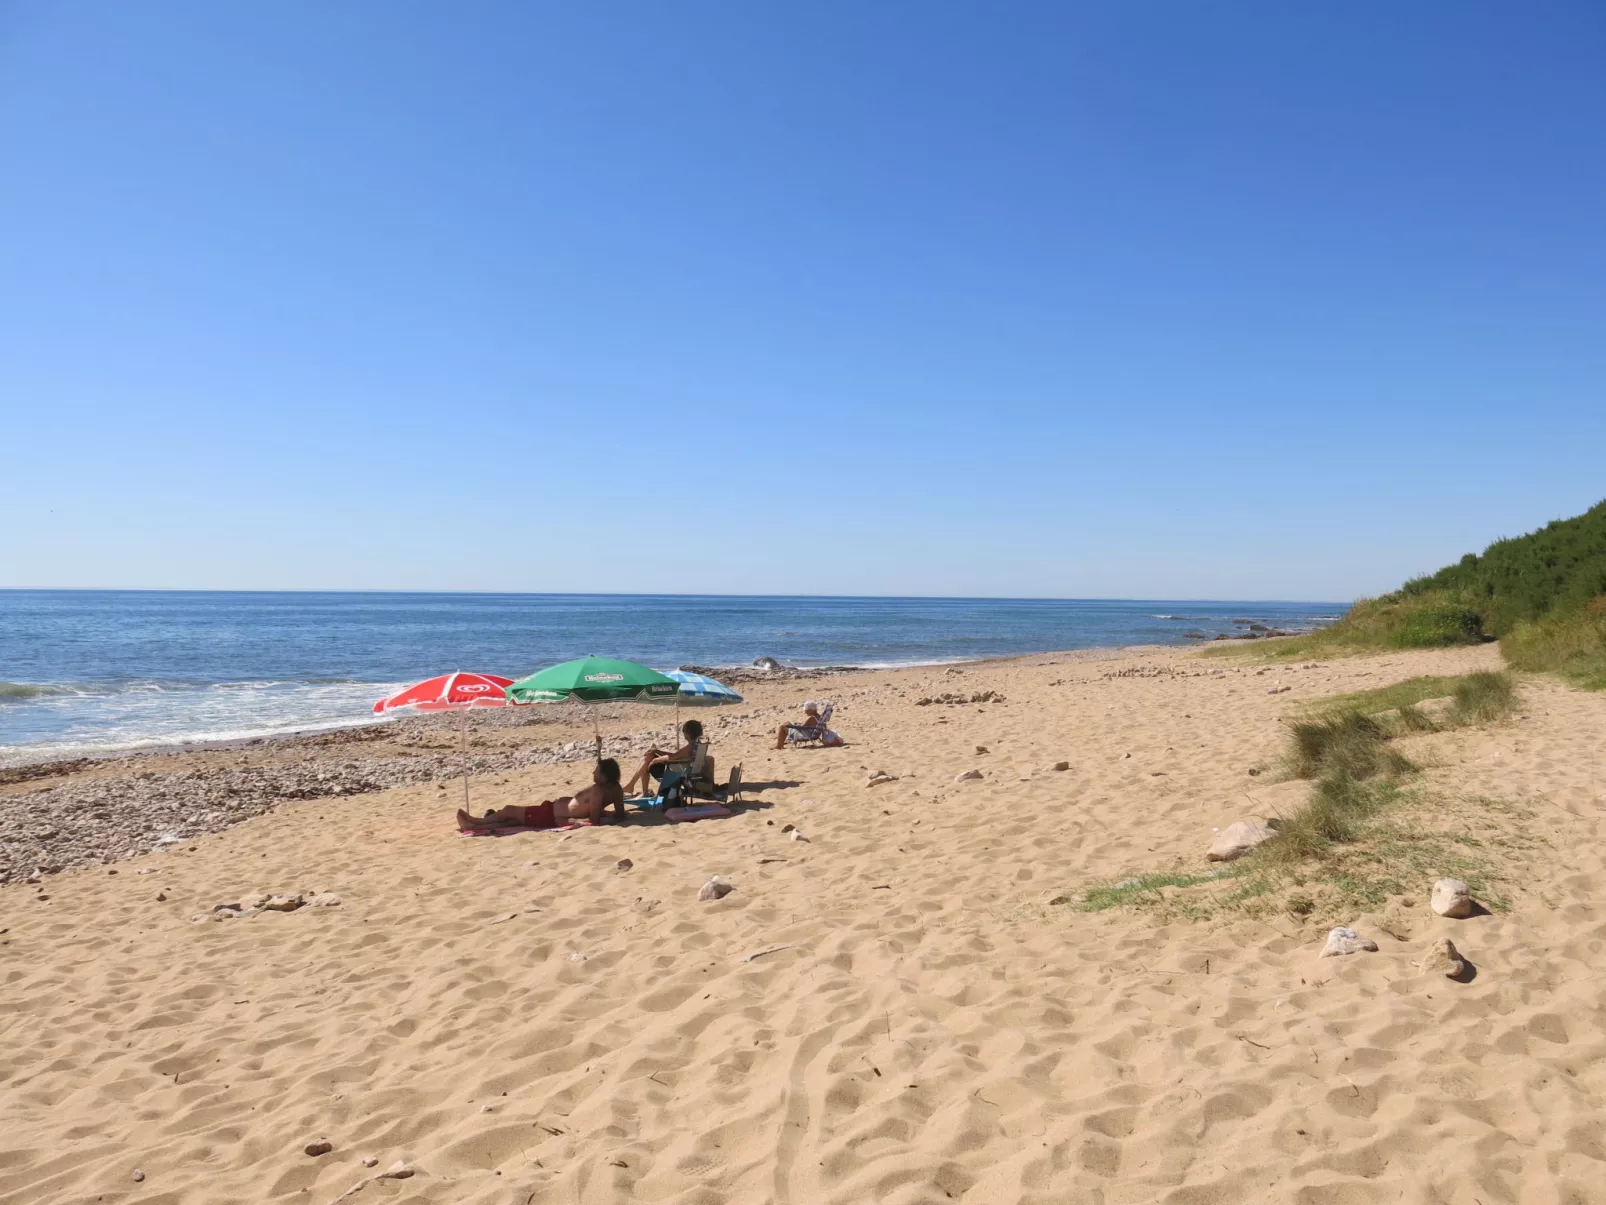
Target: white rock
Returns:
[969, 776]
[1346, 941]
[324, 899]
[1452, 898]
[717, 888]
[370, 1161]
[1238, 839]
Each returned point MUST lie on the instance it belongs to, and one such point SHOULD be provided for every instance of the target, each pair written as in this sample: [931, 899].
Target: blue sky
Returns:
[1162, 300]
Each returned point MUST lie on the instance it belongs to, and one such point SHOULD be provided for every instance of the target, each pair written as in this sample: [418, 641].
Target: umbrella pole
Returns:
[463, 728]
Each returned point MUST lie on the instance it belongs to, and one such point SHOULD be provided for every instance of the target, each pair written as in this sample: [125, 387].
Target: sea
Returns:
[86, 672]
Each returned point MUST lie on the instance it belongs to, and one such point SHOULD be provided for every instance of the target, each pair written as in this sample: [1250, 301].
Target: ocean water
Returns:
[97, 671]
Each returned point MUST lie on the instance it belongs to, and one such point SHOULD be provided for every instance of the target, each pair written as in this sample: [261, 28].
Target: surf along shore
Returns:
[905, 998]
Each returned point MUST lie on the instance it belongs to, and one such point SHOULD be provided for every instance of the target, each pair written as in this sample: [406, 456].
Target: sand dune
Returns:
[521, 1021]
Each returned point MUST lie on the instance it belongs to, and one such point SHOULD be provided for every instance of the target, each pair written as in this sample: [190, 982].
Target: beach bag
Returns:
[831, 740]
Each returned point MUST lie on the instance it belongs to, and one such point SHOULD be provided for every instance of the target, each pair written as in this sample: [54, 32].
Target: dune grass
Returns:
[1346, 742]
[1340, 851]
[1390, 698]
[1475, 698]
[1572, 645]
[1484, 698]
[1423, 621]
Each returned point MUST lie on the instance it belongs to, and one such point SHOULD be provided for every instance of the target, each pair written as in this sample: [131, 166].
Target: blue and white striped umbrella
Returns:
[696, 690]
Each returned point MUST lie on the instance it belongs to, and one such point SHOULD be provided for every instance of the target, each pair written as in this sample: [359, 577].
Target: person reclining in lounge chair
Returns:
[659, 760]
[811, 729]
[589, 803]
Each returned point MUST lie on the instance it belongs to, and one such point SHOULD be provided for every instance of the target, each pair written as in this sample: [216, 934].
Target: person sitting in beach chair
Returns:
[692, 759]
[812, 731]
[589, 804]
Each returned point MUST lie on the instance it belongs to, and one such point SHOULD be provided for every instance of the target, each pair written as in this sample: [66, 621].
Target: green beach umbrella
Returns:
[593, 680]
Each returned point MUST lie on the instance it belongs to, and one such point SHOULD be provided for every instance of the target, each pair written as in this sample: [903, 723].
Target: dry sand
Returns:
[520, 1021]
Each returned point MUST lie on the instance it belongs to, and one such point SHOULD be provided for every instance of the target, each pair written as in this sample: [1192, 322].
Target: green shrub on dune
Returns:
[1542, 595]
[1573, 644]
[1428, 622]
[1556, 570]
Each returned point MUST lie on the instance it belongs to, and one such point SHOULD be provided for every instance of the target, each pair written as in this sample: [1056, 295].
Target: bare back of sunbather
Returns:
[588, 804]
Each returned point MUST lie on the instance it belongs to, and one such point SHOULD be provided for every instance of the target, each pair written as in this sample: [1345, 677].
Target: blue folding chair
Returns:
[670, 789]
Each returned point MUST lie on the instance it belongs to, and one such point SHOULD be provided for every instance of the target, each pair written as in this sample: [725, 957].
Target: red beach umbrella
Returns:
[462, 691]
[449, 692]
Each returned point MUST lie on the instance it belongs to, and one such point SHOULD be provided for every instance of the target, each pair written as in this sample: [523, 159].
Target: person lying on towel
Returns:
[589, 804]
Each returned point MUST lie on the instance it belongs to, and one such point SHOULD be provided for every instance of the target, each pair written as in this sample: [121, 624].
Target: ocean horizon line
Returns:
[298, 590]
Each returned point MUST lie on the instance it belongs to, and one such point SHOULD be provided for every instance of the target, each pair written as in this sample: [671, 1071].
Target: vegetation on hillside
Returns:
[1556, 570]
[1543, 595]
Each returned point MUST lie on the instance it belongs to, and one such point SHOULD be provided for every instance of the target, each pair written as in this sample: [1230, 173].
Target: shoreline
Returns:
[53, 765]
[87, 811]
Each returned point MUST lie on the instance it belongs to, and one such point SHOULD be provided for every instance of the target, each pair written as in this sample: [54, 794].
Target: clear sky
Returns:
[1155, 299]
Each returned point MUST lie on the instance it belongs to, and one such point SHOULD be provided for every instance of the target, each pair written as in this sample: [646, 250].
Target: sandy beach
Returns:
[893, 1009]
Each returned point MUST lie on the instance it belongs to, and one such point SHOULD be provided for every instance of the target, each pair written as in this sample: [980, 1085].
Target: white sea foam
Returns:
[146, 715]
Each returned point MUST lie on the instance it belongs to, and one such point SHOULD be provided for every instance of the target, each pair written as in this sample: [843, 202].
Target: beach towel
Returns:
[509, 831]
[701, 811]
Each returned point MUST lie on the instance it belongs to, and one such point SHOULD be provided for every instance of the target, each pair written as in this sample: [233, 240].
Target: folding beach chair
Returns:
[681, 780]
[811, 734]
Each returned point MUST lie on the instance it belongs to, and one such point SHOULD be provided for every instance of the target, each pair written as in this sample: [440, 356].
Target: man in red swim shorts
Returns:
[589, 804]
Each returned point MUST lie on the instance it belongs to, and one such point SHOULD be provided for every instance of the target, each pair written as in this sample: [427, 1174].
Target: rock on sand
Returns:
[1452, 898]
[1444, 959]
[1238, 839]
[1346, 941]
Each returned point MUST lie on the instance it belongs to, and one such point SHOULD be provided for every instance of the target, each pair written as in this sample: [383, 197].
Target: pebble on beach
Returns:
[1237, 839]
[1343, 941]
[717, 888]
[68, 821]
[1452, 898]
[1444, 959]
